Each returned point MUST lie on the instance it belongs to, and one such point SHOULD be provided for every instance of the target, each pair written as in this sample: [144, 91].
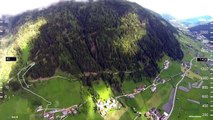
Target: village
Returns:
[104, 106]
[153, 113]
[50, 114]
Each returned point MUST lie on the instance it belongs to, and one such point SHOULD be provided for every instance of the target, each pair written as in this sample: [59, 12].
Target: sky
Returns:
[181, 9]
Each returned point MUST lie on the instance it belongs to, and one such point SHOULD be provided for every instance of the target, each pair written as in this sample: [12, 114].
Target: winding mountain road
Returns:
[27, 68]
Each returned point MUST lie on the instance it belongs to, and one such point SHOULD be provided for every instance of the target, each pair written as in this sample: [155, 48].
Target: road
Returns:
[49, 78]
[176, 87]
[27, 68]
[133, 94]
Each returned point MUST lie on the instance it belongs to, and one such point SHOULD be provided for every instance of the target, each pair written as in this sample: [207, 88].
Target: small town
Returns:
[50, 114]
[104, 106]
[154, 114]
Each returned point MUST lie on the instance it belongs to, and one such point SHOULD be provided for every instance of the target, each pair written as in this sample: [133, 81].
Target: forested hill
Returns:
[99, 36]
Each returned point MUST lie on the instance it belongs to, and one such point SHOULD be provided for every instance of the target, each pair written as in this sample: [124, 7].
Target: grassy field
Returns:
[66, 93]
[62, 93]
[16, 106]
[130, 85]
[191, 74]
[115, 114]
[103, 91]
[147, 100]
[174, 68]
[183, 108]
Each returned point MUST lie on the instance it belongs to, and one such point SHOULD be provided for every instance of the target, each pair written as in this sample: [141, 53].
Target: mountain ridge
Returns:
[80, 37]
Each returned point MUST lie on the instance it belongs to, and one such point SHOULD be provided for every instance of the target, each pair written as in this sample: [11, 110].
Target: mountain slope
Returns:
[204, 29]
[99, 36]
[191, 22]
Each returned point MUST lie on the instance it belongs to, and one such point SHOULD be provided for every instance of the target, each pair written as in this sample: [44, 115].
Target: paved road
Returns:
[176, 87]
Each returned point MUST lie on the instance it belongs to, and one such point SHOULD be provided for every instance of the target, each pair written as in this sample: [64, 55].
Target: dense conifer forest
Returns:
[98, 38]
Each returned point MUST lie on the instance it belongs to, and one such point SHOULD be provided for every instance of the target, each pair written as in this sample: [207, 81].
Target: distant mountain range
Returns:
[175, 22]
[204, 29]
[168, 17]
[190, 22]
[197, 20]
[201, 25]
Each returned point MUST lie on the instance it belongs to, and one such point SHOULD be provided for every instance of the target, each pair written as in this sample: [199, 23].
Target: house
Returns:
[65, 112]
[157, 79]
[166, 65]
[163, 81]
[148, 115]
[46, 115]
[153, 88]
[51, 117]
[186, 64]
[39, 109]
[140, 88]
[74, 111]
[139, 114]
[164, 116]
[155, 113]
[1, 95]
[130, 96]
[104, 106]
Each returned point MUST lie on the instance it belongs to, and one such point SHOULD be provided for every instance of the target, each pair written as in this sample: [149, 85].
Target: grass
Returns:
[62, 93]
[191, 74]
[128, 115]
[66, 93]
[15, 106]
[88, 112]
[130, 85]
[197, 67]
[174, 68]
[26, 34]
[20, 41]
[160, 97]
[115, 114]
[103, 91]
[147, 100]
[185, 108]
[138, 103]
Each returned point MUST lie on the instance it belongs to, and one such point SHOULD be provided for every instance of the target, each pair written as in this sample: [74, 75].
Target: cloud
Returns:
[178, 8]
[181, 9]
[13, 7]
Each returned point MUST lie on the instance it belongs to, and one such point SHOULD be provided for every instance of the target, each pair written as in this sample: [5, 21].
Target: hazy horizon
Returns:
[180, 9]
